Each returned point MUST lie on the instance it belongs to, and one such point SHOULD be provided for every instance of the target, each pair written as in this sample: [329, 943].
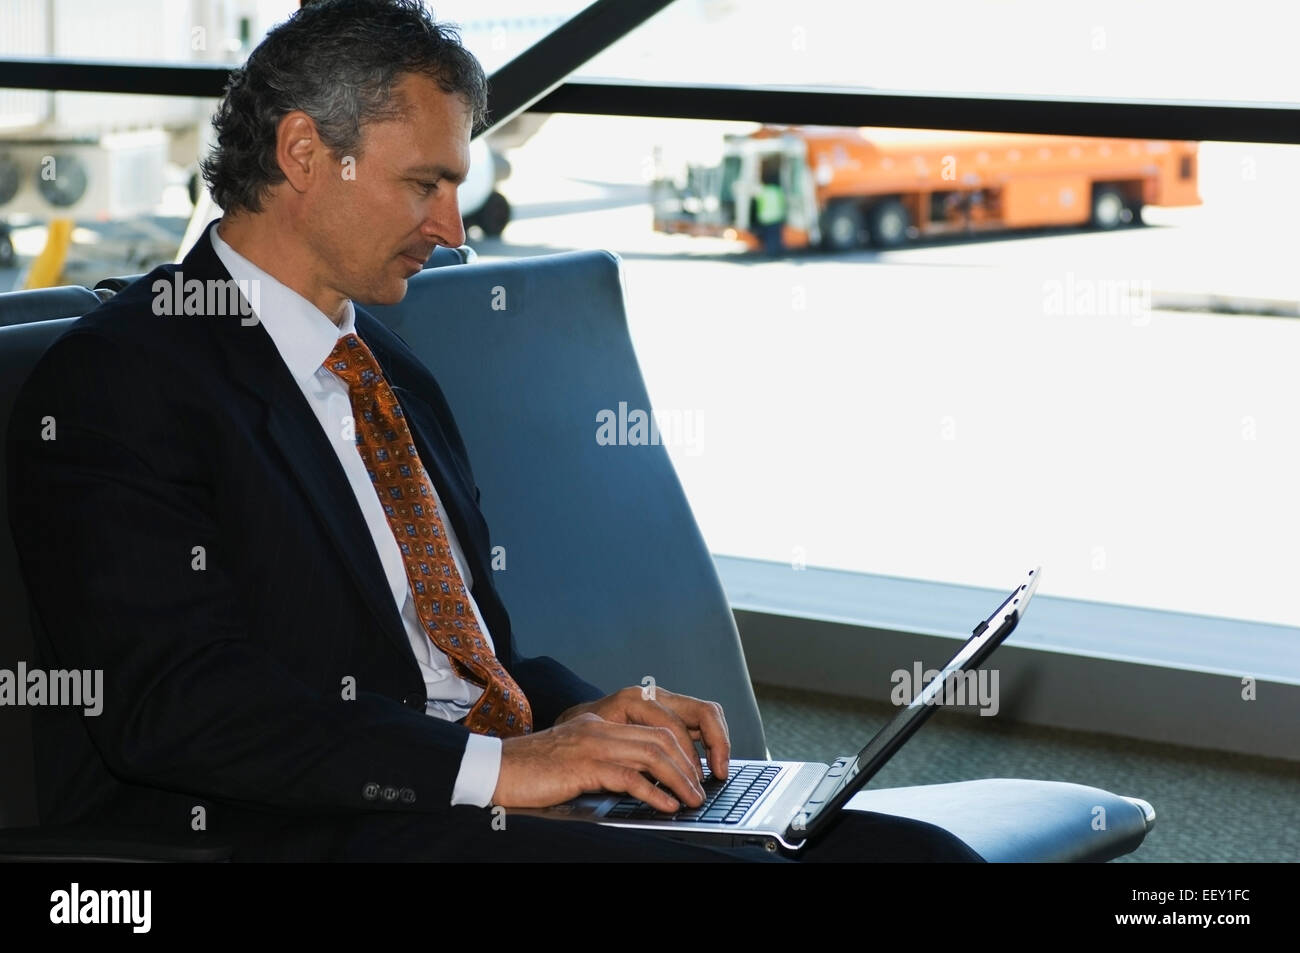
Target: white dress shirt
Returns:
[304, 336]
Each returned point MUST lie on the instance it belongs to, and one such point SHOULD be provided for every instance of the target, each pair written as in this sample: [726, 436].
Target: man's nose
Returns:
[448, 225]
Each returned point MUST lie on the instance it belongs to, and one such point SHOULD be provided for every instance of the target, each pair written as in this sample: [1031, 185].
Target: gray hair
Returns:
[337, 61]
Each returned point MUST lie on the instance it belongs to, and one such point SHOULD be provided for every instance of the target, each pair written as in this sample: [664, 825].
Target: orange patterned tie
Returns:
[441, 601]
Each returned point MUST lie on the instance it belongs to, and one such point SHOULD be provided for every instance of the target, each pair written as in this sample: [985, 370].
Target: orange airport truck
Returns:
[845, 188]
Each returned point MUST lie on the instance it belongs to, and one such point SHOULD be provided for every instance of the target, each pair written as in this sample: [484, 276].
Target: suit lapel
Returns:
[254, 363]
[313, 462]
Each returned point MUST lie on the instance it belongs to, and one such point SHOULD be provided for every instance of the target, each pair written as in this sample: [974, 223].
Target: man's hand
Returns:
[689, 719]
[611, 745]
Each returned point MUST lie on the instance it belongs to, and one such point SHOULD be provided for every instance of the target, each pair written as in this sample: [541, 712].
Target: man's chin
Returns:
[390, 293]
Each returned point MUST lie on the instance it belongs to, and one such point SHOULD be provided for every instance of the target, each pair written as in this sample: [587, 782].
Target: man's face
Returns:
[372, 226]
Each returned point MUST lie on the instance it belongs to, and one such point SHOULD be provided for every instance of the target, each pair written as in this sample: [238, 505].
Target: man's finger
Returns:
[717, 739]
[655, 714]
[619, 777]
[654, 750]
[707, 718]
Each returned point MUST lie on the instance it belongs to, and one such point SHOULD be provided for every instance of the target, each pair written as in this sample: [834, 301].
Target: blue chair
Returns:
[45, 304]
[604, 566]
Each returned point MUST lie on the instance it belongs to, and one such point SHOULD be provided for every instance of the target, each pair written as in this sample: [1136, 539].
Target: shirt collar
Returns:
[302, 333]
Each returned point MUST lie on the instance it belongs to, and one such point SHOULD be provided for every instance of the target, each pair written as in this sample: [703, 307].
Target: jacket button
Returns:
[370, 791]
[389, 794]
[407, 796]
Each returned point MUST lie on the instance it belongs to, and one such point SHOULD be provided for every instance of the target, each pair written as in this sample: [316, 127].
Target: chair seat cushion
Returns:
[1016, 820]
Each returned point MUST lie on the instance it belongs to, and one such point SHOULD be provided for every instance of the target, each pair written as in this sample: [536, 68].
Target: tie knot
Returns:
[353, 362]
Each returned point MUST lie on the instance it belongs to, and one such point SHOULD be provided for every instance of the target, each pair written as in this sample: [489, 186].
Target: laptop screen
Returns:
[987, 636]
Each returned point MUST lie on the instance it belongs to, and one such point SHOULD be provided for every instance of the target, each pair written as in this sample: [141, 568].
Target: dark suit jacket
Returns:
[225, 666]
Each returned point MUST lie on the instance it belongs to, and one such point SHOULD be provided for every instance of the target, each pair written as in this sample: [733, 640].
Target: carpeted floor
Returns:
[1210, 806]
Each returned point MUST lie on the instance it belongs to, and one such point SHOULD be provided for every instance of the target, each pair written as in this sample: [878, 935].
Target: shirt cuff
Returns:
[480, 767]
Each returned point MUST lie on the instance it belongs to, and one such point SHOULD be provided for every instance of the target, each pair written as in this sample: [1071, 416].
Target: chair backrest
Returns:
[45, 304]
[446, 255]
[21, 346]
[115, 283]
[605, 568]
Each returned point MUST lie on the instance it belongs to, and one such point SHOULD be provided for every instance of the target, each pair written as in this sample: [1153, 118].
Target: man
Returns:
[260, 521]
[769, 211]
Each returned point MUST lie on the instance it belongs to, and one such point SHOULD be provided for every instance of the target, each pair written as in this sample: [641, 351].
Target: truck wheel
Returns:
[842, 227]
[1108, 208]
[888, 222]
[494, 215]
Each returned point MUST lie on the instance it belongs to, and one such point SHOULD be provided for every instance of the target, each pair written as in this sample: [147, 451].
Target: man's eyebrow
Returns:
[437, 172]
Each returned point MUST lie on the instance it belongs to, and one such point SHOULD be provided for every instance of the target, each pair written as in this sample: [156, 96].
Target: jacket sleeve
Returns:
[106, 517]
[551, 688]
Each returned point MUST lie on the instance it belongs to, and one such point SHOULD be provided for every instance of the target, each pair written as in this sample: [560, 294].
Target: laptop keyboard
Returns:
[725, 802]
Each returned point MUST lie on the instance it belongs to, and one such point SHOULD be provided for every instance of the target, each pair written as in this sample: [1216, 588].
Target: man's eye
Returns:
[427, 187]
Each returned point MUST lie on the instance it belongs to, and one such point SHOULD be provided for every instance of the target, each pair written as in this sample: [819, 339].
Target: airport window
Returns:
[1159, 49]
[119, 169]
[916, 372]
[1119, 377]
[226, 32]
[223, 33]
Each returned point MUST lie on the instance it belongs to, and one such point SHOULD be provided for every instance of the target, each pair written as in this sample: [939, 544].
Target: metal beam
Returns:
[91, 76]
[1143, 119]
[1139, 119]
[511, 90]
[544, 66]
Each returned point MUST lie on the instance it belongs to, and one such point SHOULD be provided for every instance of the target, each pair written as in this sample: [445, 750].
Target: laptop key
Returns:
[726, 800]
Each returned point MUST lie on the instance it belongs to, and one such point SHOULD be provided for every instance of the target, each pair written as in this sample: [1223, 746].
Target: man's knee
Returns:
[867, 837]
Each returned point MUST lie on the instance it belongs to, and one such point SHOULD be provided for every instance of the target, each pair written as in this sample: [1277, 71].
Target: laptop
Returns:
[786, 804]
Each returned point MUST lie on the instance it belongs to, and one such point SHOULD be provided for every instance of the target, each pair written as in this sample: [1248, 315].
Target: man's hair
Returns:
[337, 61]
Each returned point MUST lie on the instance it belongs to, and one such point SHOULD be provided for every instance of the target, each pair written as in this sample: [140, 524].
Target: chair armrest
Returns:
[1013, 820]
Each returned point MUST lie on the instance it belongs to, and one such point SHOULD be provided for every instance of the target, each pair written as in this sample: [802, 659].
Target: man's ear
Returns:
[299, 151]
